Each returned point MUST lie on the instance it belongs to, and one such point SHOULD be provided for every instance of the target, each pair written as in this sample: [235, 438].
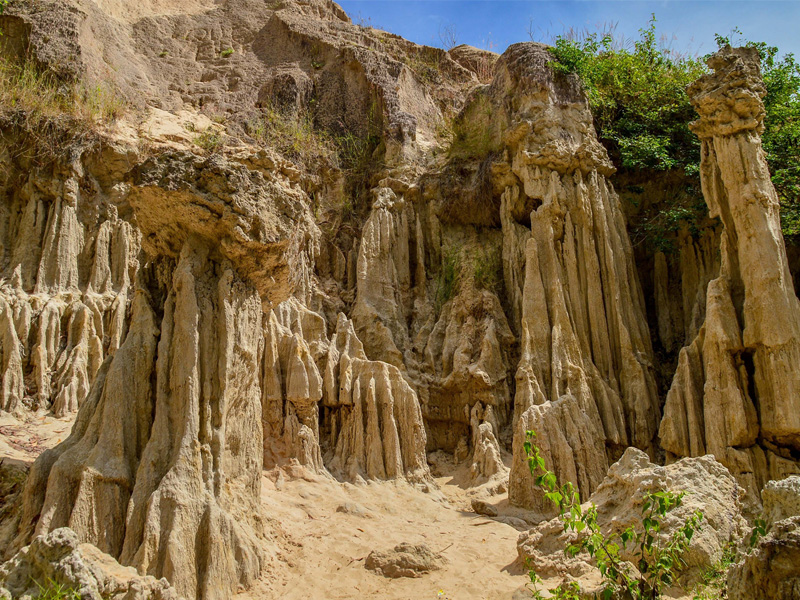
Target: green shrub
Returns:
[657, 561]
[226, 53]
[210, 140]
[637, 96]
[642, 113]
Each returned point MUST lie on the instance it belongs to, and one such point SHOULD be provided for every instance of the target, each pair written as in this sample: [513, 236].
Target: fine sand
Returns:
[320, 530]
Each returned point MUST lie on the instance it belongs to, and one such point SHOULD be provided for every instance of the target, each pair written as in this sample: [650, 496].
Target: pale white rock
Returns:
[781, 499]
[12, 390]
[383, 280]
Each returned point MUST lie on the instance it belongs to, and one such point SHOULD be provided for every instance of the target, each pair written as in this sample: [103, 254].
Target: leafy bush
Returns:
[637, 96]
[657, 560]
[642, 112]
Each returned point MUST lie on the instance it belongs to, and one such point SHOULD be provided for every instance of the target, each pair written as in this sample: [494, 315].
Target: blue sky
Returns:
[687, 25]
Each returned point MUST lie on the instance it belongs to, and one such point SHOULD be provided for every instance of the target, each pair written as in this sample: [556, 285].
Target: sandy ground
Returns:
[24, 438]
[322, 530]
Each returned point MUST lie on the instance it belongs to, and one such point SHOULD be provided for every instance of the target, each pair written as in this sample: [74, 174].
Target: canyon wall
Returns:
[211, 312]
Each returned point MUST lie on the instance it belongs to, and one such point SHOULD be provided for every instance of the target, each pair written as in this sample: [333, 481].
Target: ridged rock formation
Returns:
[585, 370]
[320, 393]
[167, 445]
[209, 303]
[68, 265]
[735, 394]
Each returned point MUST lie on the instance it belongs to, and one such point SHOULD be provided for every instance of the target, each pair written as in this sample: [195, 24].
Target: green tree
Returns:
[637, 94]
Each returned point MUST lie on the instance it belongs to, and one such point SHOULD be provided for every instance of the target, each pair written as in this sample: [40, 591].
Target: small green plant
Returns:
[226, 53]
[657, 559]
[714, 584]
[163, 54]
[759, 531]
[210, 140]
[449, 277]
[102, 102]
[294, 136]
[56, 591]
[51, 111]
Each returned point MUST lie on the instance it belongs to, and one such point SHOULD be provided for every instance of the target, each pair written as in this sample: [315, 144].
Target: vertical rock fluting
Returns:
[331, 409]
[163, 467]
[735, 394]
[679, 288]
[67, 262]
[585, 378]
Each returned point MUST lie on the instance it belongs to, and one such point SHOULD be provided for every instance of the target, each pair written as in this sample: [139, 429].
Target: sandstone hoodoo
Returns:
[296, 291]
[735, 392]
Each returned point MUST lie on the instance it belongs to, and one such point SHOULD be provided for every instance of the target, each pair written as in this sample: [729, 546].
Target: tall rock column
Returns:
[736, 393]
[585, 378]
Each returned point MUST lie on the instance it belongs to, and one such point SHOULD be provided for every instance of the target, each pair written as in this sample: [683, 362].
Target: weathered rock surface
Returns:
[406, 560]
[167, 445]
[735, 392]
[570, 279]
[483, 508]
[207, 313]
[59, 559]
[781, 499]
[709, 487]
[771, 571]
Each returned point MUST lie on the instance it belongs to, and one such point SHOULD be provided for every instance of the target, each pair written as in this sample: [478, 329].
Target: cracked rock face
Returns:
[735, 392]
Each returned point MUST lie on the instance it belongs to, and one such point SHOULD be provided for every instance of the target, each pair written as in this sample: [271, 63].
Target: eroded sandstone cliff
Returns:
[214, 310]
